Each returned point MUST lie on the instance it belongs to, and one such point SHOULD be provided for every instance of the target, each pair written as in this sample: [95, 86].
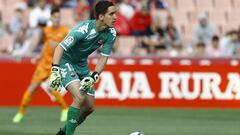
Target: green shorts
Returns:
[71, 72]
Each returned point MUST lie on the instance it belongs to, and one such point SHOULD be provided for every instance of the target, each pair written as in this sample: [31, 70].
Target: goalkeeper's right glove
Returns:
[55, 77]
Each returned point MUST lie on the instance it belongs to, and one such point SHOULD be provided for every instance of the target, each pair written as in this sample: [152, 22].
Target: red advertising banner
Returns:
[142, 82]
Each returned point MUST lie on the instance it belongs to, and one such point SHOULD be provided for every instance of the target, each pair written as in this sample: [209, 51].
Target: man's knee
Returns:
[78, 99]
[88, 111]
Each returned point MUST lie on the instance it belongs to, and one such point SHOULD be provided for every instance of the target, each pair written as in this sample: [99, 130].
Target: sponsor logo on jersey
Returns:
[92, 34]
[113, 31]
[83, 29]
[69, 40]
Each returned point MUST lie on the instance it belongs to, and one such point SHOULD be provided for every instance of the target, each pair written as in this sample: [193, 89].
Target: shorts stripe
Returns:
[105, 54]
[71, 82]
[90, 94]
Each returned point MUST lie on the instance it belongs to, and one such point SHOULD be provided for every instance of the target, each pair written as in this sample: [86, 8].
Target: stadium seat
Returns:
[231, 26]
[218, 17]
[180, 17]
[204, 5]
[126, 45]
[172, 4]
[162, 14]
[187, 5]
[233, 16]
[7, 13]
[2, 4]
[6, 41]
[236, 4]
[225, 5]
[187, 32]
[192, 16]
[11, 3]
[67, 17]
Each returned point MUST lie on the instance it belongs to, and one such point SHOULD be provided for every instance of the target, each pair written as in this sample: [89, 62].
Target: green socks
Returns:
[73, 120]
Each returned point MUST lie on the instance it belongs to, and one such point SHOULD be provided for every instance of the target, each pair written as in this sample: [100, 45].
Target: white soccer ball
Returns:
[136, 133]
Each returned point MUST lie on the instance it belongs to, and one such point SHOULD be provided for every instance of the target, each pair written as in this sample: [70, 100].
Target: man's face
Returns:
[42, 3]
[56, 18]
[203, 22]
[110, 17]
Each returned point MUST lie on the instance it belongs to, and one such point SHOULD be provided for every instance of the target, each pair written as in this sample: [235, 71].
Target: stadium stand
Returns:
[222, 13]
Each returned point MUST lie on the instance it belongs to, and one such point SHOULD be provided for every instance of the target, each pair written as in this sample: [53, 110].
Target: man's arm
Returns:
[55, 77]
[58, 55]
[101, 63]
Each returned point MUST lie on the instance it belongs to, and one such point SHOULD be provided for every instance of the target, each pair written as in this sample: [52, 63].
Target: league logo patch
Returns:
[69, 40]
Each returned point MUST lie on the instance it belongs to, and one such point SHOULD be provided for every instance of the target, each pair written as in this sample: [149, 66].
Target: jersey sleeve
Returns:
[108, 45]
[74, 36]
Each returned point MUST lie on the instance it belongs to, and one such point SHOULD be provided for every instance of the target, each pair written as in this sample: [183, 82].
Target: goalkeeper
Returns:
[70, 66]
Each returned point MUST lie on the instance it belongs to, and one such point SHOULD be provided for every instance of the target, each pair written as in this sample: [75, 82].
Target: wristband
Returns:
[95, 76]
[55, 67]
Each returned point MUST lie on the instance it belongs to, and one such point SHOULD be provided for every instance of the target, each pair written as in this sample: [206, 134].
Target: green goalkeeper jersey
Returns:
[84, 39]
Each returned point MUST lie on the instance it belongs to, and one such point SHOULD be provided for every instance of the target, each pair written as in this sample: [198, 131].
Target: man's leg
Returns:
[63, 104]
[74, 109]
[86, 109]
[25, 101]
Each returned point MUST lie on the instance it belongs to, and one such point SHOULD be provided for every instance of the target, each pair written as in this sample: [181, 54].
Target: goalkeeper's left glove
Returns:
[88, 82]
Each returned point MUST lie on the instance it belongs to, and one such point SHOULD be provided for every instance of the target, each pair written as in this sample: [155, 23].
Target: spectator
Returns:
[160, 4]
[17, 21]
[2, 26]
[172, 36]
[122, 25]
[153, 39]
[140, 20]
[126, 9]
[21, 46]
[214, 49]
[230, 43]
[199, 50]
[31, 3]
[39, 18]
[40, 15]
[138, 4]
[56, 3]
[204, 30]
[92, 14]
[238, 41]
[69, 3]
[81, 11]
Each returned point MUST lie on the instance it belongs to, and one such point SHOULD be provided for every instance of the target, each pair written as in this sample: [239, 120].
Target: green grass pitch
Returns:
[123, 121]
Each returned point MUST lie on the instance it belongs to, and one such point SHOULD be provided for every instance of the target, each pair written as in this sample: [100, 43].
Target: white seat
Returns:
[126, 45]
[204, 5]
[187, 5]
[225, 5]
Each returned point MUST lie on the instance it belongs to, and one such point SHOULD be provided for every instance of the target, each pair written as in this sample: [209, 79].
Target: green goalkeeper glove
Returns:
[88, 82]
[55, 77]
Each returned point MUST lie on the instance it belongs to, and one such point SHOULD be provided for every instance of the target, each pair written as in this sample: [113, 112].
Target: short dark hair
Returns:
[55, 10]
[102, 7]
[215, 38]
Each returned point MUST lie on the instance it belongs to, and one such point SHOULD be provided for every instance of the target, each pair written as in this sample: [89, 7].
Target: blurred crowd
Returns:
[141, 31]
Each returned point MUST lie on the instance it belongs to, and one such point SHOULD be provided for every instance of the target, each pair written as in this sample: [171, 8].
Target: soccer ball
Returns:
[136, 133]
